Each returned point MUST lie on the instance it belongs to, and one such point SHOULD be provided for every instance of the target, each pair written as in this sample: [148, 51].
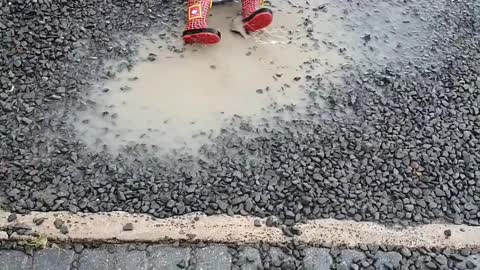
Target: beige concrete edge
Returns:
[235, 230]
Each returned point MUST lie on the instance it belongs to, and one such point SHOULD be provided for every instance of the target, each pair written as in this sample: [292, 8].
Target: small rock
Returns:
[270, 222]
[152, 57]
[367, 37]
[257, 223]
[406, 252]
[128, 227]
[182, 264]
[470, 265]
[286, 230]
[22, 226]
[295, 231]
[11, 217]
[64, 229]
[431, 265]
[39, 221]
[141, 247]
[58, 223]
[61, 90]
[441, 259]
[78, 247]
[387, 260]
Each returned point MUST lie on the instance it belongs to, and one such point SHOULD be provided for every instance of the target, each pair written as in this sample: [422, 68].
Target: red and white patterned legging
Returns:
[198, 14]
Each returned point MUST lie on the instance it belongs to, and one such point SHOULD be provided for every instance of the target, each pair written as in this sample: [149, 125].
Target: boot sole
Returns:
[258, 20]
[205, 36]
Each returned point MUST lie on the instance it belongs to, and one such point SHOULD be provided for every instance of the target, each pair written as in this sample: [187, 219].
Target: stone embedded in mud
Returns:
[64, 229]
[152, 57]
[22, 226]
[128, 227]
[39, 221]
[58, 223]
[11, 217]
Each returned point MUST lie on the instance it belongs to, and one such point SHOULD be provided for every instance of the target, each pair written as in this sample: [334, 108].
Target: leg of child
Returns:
[255, 17]
[197, 30]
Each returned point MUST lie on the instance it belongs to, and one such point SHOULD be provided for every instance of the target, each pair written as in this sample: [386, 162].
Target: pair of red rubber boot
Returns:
[255, 17]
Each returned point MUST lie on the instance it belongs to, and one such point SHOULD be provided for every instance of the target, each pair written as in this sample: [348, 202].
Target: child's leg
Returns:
[255, 17]
[197, 30]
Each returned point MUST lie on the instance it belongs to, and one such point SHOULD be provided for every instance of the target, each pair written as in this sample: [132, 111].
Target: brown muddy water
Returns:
[178, 96]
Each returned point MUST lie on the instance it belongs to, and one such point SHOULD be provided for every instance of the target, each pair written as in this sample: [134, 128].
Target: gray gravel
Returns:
[398, 144]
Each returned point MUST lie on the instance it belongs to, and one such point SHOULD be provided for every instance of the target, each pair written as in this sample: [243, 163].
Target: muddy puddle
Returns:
[174, 96]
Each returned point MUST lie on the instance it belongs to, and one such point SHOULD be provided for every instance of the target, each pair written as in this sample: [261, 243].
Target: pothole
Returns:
[179, 97]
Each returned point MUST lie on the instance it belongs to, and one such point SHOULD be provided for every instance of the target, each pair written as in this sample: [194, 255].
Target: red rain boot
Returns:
[197, 30]
[255, 17]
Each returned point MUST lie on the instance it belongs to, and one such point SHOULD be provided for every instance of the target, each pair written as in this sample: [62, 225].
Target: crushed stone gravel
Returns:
[398, 143]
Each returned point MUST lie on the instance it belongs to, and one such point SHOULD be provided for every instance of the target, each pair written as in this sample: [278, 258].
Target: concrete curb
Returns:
[109, 228]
